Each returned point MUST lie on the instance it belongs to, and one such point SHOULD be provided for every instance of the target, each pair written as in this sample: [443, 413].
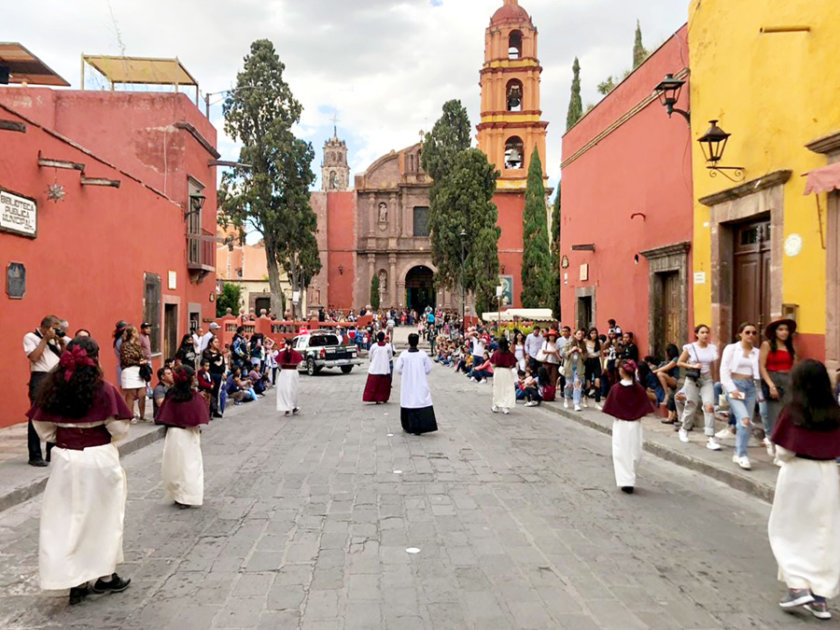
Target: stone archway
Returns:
[420, 288]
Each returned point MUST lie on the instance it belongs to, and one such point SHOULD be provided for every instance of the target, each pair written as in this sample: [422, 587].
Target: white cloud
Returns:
[385, 66]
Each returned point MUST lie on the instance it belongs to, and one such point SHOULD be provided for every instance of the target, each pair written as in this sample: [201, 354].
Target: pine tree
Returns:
[639, 52]
[575, 104]
[536, 257]
[374, 292]
[557, 280]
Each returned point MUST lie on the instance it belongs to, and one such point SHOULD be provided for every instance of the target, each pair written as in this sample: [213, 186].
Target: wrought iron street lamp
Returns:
[713, 143]
[669, 94]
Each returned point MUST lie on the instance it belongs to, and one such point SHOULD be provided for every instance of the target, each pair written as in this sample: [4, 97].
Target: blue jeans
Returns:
[573, 385]
[743, 410]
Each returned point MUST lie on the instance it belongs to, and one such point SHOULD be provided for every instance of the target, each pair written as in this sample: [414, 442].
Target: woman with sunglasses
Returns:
[739, 376]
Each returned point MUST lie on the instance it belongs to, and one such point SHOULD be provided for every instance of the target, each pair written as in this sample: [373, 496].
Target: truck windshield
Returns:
[322, 340]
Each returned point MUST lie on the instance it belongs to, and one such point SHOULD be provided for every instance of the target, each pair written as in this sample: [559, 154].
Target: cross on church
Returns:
[335, 124]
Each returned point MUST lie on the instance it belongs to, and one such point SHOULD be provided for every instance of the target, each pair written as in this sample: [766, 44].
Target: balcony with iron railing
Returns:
[201, 253]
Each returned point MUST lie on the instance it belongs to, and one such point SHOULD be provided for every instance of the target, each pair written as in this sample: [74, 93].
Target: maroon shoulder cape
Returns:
[288, 358]
[824, 445]
[184, 414]
[107, 404]
[503, 359]
[628, 402]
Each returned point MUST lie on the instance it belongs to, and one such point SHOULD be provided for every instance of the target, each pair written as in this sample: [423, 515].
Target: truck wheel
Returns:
[347, 369]
[310, 367]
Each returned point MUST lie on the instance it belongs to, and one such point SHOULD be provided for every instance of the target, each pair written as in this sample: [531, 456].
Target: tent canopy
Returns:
[520, 314]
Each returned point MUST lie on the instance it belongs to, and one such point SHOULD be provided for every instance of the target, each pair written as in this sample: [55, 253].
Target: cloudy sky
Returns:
[383, 67]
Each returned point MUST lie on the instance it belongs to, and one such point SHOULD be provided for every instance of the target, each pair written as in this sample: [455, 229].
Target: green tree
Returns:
[230, 298]
[639, 52]
[607, 86]
[462, 204]
[374, 293]
[536, 257]
[556, 255]
[271, 195]
[449, 136]
[575, 104]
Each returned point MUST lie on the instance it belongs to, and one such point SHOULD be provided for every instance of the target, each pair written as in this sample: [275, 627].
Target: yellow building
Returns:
[767, 71]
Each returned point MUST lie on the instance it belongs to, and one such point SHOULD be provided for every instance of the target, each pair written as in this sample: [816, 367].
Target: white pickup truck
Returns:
[322, 350]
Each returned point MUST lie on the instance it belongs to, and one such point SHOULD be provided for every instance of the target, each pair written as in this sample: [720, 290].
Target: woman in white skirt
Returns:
[83, 509]
[628, 403]
[183, 412]
[287, 383]
[504, 382]
[131, 358]
[804, 525]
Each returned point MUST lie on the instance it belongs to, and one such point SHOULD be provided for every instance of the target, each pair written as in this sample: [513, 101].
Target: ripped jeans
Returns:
[574, 385]
[699, 392]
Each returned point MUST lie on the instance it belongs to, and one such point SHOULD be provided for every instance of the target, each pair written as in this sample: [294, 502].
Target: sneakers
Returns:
[771, 450]
[599, 406]
[565, 403]
[505, 410]
[584, 403]
[818, 608]
[712, 444]
[726, 432]
[683, 436]
[482, 381]
[531, 403]
[577, 408]
[796, 597]
[494, 409]
[744, 462]
[115, 585]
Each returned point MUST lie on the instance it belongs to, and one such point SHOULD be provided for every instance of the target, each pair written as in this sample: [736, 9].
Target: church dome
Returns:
[510, 12]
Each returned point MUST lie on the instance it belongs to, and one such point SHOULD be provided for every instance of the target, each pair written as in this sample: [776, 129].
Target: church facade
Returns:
[381, 227]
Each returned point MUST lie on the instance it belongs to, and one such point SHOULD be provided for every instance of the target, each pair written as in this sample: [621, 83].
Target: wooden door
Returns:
[671, 316]
[584, 312]
[170, 330]
[751, 286]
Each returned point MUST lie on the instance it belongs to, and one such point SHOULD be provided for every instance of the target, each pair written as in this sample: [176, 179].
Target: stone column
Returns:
[371, 271]
[400, 293]
[395, 218]
[392, 279]
[372, 219]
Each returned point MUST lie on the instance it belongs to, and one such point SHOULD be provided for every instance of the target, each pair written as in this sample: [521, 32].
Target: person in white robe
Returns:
[289, 380]
[804, 525]
[83, 509]
[504, 380]
[417, 414]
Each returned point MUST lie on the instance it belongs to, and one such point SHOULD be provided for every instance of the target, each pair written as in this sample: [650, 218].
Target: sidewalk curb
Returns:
[754, 487]
[36, 486]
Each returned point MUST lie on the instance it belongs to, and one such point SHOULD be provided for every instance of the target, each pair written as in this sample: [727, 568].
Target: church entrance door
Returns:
[420, 288]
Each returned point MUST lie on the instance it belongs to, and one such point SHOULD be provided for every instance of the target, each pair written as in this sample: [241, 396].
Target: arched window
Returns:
[514, 95]
[515, 45]
[513, 153]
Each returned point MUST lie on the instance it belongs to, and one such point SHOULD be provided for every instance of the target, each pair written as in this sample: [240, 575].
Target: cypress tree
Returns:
[536, 257]
[374, 292]
[575, 104]
[639, 52]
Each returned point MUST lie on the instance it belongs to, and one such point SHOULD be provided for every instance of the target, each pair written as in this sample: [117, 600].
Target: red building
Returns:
[627, 209]
[133, 236]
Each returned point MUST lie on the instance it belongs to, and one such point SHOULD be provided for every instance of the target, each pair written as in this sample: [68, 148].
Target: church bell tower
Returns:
[335, 172]
[511, 124]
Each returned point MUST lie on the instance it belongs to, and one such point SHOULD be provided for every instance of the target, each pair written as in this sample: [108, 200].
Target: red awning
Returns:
[823, 179]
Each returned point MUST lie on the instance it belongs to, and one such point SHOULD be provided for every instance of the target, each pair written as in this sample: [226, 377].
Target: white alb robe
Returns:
[82, 512]
[804, 526]
[504, 389]
[380, 359]
[414, 388]
[626, 451]
[287, 390]
[182, 468]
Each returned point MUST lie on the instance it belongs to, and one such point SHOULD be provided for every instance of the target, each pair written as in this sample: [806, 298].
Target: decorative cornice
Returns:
[667, 250]
[826, 144]
[522, 70]
[504, 125]
[776, 178]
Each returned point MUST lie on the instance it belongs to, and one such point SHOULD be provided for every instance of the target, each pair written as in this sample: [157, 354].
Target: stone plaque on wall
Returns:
[15, 280]
[18, 215]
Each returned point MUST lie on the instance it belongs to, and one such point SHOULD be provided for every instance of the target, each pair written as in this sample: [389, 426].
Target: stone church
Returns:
[381, 226]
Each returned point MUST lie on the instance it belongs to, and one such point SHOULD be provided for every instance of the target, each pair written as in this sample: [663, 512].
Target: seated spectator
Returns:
[667, 372]
[234, 389]
[259, 382]
[531, 388]
[480, 373]
[165, 381]
[649, 381]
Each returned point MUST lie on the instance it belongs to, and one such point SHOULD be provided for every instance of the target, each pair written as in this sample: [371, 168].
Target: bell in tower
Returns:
[335, 171]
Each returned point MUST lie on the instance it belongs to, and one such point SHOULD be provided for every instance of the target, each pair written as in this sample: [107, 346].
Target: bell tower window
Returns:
[333, 181]
[513, 153]
[515, 45]
[514, 95]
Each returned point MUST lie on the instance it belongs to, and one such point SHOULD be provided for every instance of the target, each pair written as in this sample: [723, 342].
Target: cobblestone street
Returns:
[307, 522]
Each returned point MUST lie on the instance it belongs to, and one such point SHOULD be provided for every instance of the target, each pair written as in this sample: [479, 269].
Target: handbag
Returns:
[693, 374]
[549, 393]
[541, 355]
[146, 372]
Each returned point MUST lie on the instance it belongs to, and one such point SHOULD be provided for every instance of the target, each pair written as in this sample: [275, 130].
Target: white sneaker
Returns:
[577, 408]
[531, 403]
[494, 409]
[744, 462]
[599, 406]
[735, 458]
[712, 444]
[683, 436]
[724, 433]
[583, 402]
[771, 450]
[777, 462]
[565, 403]
[482, 381]
[505, 410]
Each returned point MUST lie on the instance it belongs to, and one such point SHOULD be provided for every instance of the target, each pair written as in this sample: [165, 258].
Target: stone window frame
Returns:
[667, 259]
[582, 292]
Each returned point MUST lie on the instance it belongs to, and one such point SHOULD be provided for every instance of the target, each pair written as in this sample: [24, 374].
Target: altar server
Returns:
[417, 414]
[504, 382]
[81, 532]
[804, 525]
[183, 412]
[378, 386]
[627, 403]
[287, 384]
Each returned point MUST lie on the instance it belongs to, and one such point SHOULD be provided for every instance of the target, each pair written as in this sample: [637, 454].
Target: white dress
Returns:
[82, 512]
[287, 390]
[627, 442]
[804, 526]
[183, 468]
[504, 387]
